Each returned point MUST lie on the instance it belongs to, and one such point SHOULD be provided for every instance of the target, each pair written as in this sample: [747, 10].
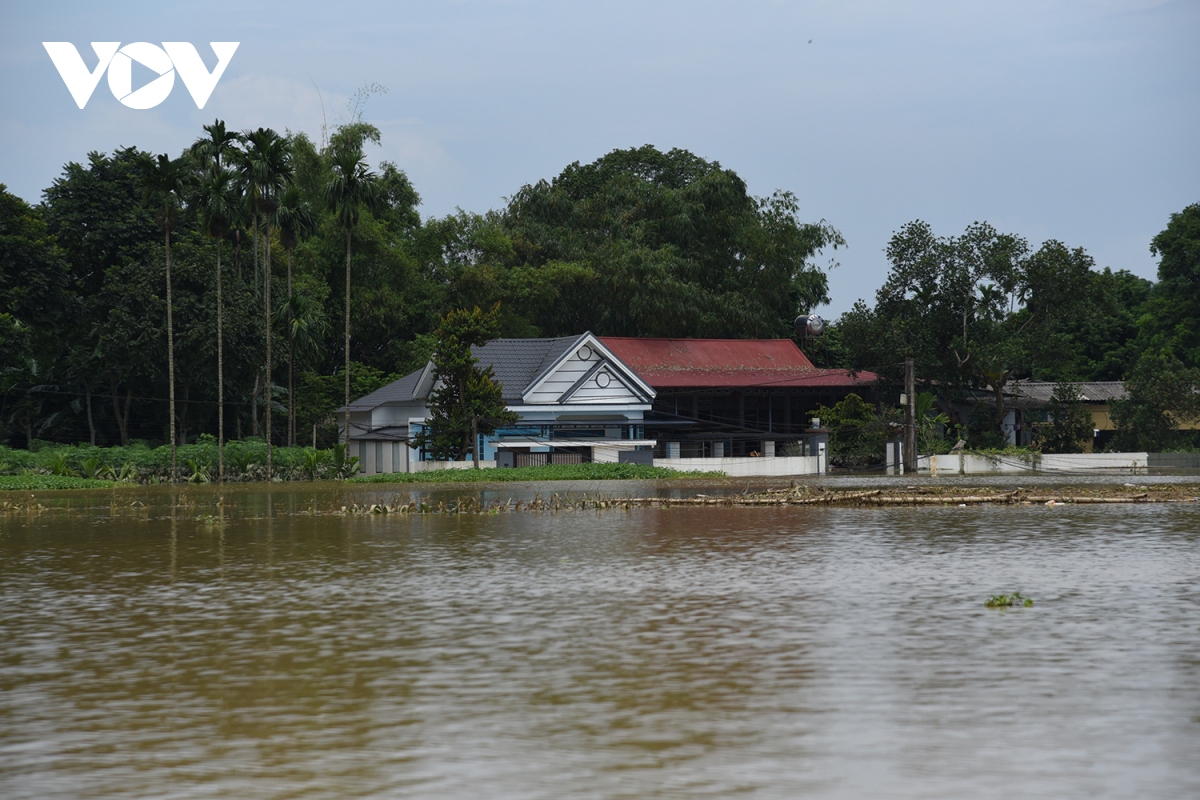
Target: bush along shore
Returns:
[52, 466]
[83, 467]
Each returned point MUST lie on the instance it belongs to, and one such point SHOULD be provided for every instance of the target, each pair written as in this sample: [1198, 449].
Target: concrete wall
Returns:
[425, 466]
[745, 467]
[971, 464]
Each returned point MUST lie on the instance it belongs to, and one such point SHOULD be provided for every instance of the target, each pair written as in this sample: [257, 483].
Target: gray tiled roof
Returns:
[516, 363]
[399, 391]
[1038, 393]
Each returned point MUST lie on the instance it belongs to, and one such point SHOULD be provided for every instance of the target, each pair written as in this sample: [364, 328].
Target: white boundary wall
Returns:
[746, 467]
[972, 464]
[425, 466]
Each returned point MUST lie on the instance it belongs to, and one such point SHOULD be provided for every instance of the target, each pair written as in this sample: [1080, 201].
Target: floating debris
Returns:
[1009, 600]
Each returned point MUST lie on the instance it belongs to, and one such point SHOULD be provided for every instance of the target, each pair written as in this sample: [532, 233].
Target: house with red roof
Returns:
[731, 397]
[590, 398]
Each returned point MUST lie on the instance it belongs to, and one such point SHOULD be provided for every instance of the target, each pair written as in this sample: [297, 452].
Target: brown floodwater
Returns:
[156, 644]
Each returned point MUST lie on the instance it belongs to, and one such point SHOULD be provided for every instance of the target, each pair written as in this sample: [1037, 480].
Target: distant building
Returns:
[730, 397]
[589, 398]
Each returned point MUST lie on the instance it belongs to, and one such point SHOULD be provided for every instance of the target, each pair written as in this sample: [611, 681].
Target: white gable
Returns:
[588, 374]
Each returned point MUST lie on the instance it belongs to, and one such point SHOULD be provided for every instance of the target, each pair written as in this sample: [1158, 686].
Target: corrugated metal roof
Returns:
[725, 363]
[1039, 392]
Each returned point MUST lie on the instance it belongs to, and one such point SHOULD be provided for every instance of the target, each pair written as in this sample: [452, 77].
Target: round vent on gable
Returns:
[603, 379]
[585, 353]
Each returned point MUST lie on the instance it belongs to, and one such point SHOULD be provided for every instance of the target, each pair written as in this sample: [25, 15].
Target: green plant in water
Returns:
[344, 465]
[311, 463]
[200, 472]
[1009, 600]
[60, 465]
[240, 459]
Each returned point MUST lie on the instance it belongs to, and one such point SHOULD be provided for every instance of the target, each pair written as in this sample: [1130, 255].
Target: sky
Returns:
[1058, 119]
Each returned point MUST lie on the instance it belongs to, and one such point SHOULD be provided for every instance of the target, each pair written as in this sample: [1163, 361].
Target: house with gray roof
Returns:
[576, 401]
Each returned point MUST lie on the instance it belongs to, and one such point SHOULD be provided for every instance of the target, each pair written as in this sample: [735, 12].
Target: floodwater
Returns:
[170, 647]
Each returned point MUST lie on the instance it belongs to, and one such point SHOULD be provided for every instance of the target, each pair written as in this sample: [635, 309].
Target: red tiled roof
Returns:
[725, 363]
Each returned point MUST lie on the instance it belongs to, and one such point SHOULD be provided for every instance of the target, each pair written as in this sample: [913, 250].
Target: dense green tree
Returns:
[858, 432]
[947, 303]
[666, 244]
[1163, 394]
[1068, 428]
[1171, 318]
[466, 400]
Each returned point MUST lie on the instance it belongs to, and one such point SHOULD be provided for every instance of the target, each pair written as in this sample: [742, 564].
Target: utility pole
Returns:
[475, 440]
[910, 419]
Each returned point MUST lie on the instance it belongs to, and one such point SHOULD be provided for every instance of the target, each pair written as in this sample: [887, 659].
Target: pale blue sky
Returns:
[1070, 120]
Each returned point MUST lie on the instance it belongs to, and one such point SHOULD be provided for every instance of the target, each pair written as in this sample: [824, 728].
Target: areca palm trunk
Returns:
[220, 375]
[267, 303]
[170, 351]
[291, 434]
[347, 436]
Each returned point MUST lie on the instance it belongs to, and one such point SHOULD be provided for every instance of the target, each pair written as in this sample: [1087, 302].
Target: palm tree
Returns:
[267, 166]
[163, 180]
[215, 148]
[307, 328]
[217, 206]
[352, 188]
[294, 219]
[217, 211]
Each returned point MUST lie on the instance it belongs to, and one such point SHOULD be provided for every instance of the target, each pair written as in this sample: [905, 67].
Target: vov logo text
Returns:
[172, 57]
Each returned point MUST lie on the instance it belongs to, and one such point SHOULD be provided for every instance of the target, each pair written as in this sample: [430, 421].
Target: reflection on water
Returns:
[178, 648]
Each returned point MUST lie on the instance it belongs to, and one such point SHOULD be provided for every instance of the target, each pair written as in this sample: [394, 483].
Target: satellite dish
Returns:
[810, 325]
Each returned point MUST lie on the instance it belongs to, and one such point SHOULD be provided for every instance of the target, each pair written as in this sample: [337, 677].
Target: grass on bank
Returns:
[139, 462]
[44, 482]
[551, 472]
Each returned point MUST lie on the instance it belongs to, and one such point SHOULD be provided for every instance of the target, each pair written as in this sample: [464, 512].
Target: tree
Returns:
[1162, 394]
[217, 204]
[294, 220]
[974, 311]
[858, 434]
[1069, 427]
[267, 166]
[657, 244]
[164, 180]
[467, 400]
[352, 189]
[1170, 319]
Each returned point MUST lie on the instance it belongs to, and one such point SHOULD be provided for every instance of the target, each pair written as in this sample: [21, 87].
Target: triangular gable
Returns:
[603, 383]
[574, 373]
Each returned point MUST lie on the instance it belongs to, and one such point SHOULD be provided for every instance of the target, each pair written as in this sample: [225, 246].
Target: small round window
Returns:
[603, 379]
[585, 353]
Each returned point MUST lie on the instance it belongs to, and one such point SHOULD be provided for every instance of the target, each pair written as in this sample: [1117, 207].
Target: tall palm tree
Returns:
[217, 212]
[218, 147]
[163, 180]
[353, 188]
[217, 206]
[294, 219]
[267, 166]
